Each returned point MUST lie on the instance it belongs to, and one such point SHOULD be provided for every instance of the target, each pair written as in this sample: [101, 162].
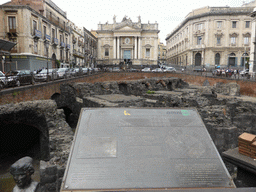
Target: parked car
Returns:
[3, 81]
[147, 69]
[132, 70]
[116, 69]
[42, 75]
[19, 77]
[244, 72]
[157, 70]
[198, 70]
[170, 69]
[76, 71]
[84, 70]
[63, 73]
[96, 69]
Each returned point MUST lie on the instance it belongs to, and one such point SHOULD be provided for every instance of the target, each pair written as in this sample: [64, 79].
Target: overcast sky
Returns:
[167, 13]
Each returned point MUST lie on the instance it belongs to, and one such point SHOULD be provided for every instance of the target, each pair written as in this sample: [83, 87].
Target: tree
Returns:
[57, 63]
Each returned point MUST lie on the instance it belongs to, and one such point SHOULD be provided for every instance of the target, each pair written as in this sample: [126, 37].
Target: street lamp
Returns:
[47, 48]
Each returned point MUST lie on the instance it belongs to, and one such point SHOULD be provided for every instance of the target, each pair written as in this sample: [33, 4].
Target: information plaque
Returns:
[139, 149]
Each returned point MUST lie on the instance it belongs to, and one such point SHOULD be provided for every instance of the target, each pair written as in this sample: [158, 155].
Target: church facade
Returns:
[128, 43]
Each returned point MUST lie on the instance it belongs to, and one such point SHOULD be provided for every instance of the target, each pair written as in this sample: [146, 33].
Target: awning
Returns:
[6, 46]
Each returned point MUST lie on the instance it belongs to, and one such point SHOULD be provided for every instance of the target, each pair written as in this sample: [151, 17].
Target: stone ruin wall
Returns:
[224, 117]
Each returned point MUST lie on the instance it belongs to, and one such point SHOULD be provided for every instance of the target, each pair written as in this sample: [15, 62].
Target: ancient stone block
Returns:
[48, 179]
[61, 171]
[51, 170]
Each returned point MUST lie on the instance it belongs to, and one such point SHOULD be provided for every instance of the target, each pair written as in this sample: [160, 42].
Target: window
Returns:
[246, 40]
[45, 50]
[12, 24]
[34, 27]
[247, 24]
[53, 35]
[217, 59]
[233, 40]
[199, 26]
[199, 40]
[60, 39]
[234, 24]
[61, 54]
[44, 32]
[106, 52]
[66, 55]
[219, 24]
[218, 40]
[147, 52]
[35, 46]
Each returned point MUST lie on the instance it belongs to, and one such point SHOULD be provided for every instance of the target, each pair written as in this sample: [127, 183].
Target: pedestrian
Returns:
[235, 72]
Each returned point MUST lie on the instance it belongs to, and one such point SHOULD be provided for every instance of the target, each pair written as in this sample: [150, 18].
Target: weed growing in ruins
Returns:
[150, 92]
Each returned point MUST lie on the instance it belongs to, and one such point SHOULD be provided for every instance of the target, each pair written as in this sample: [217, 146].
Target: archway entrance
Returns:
[244, 59]
[232, 59]
[198, 58]
[54, 61]
[19, 140]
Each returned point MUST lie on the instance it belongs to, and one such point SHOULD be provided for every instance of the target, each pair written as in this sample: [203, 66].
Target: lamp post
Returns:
[47, 48]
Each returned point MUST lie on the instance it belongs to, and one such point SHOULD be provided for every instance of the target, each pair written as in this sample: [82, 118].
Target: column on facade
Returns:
[252, 47]
[156, 49]
[202, 62]
[118, 47]
[135, 48]
[192, 58]
[114, 56]
[139, 48]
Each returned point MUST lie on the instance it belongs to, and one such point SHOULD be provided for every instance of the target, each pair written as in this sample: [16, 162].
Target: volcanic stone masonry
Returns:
[224, 113]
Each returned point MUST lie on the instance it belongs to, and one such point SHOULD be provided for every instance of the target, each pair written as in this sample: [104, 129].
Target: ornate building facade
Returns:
[44, 35]
[212, 36]
[161, 53]
[90, 48]
[127, 42]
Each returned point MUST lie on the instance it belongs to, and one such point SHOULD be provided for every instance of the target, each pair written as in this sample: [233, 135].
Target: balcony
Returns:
[12, 31]
[37, 34]
[55, 41]
[78, 54]
[68, 46]
[47, 38]
[62, 44]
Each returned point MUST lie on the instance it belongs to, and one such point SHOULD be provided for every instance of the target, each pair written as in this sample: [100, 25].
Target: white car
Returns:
[244, 72]
[85, 70]
[147, 69]
[170, 69]
[42, 75]
[157, 70]
[63, 73]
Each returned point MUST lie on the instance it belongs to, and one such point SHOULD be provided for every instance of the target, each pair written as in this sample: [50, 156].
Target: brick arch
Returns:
[55, 96]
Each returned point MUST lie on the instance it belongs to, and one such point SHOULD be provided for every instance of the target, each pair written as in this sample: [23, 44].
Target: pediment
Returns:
[126, 28]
